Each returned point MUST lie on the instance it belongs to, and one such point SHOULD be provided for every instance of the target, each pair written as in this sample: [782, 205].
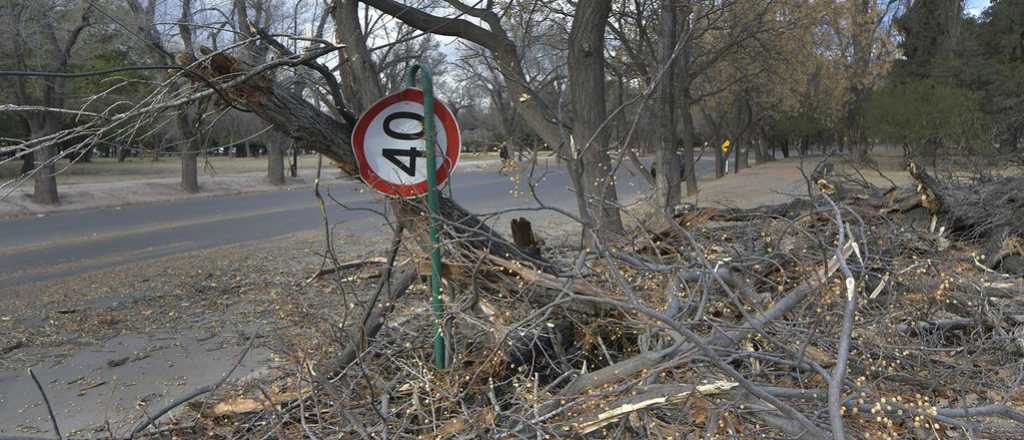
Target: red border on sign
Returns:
[451, 151]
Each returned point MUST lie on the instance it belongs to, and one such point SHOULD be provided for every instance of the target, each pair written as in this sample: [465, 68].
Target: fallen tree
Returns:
[725, 321]
[834, 311]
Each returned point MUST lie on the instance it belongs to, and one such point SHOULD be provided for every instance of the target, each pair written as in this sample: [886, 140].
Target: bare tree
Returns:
[593, 183]
[589, 160]
[39, 44]
[255, 53]
[667, 163]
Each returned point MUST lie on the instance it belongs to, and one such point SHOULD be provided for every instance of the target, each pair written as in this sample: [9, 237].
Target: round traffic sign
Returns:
[388, 143]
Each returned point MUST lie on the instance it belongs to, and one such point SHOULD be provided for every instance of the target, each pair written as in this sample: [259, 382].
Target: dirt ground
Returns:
[112, 343]
[109, 346]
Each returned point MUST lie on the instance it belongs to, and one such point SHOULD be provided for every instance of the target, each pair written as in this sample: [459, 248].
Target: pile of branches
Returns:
[877, 313]
[855, 313]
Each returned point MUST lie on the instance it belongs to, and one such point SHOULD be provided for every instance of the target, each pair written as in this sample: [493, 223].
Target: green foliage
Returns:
[931, 31]
[925, 116]
[961, 80]
[802, 125]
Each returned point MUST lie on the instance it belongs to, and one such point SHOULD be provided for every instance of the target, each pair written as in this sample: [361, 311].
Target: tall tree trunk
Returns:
[28, 163]
[862, 29]
[689, 141]
[667, 183]
[689, 131]
[359, 78]
[44, 180]
[294, 168]
[275, 164]
[719, 160]
[716, 144]
[186, 123]
[53, 90]
[596, 193]
[189, 152]
[738, 161]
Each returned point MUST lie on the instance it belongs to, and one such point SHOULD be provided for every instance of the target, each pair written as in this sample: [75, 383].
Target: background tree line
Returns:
[603, 83]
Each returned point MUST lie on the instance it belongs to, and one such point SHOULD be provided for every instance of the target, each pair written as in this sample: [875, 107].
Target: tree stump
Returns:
[523, 237]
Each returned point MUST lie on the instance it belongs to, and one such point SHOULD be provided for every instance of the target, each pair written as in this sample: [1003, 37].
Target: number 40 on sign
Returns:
[388, 142]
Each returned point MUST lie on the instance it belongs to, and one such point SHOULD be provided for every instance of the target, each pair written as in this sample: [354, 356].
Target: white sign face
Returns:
[389, 145]
[394, 144]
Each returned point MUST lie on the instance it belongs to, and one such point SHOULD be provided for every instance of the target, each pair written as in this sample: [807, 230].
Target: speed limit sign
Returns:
[388, 142]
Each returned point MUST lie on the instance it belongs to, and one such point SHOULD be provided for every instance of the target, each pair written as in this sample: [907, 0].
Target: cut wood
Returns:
[531, 276]
[245, 405]
[348, 265]
[523, 236]
[651, 397]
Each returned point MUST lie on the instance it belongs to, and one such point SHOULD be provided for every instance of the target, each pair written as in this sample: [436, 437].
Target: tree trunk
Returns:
[187, 120]
[689, 141]
[44, 181]
[45, 188]
[360, 81]
[862, 29]
[596, 193]
[667, 166]
[189, 153]
[189, 171]
[689, 131]
[738, 159]
[719, 161]
[294, 168]
[28, 163]
[275, 164]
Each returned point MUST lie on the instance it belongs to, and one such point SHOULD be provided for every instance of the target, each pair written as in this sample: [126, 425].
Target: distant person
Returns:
[503, 153]
[506, 159]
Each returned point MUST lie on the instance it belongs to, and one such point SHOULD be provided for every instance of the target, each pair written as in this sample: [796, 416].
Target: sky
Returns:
[974, 7]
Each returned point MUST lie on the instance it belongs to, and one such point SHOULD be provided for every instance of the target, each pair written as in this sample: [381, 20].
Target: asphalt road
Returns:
[60, 245]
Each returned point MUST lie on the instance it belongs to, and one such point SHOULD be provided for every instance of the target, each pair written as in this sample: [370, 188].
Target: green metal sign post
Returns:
[430, 139]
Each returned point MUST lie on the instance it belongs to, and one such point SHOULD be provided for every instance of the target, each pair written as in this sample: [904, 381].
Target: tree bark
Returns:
[28, 163]
[44, 181]
[275, 164]
[719, 161]
[360, 81]
[189, 137]
[596, 193]
[862, 30]
[667, 182]
[189, 153]
[689, 141]
[689, 131]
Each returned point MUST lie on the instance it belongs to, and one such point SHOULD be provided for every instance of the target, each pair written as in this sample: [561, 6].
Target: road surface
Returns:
[64, 244]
